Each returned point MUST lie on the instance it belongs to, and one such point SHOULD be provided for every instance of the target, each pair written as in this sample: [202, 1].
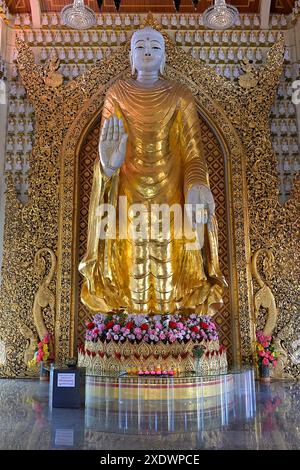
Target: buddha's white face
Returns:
[148, 52]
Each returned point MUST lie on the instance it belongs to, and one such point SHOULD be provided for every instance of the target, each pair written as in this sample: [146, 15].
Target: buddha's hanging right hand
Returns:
[112, 145]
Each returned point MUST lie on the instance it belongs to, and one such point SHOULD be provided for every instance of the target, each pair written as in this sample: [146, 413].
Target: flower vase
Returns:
[264, 373]
[197, 365]
[44, 371]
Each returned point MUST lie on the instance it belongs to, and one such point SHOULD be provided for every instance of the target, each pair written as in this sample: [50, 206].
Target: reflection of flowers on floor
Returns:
[269, 414]
[38, 409]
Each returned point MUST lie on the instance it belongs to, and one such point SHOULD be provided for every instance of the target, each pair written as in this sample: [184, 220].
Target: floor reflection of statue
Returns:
[151, 153]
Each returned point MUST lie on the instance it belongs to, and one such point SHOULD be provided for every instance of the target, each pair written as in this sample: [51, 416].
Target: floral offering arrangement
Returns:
[44, 351]
[266, 354]
[151, 346]
[120, 327]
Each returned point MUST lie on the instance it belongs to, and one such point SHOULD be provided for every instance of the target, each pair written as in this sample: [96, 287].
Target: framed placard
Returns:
[64, 437]
[66, 380]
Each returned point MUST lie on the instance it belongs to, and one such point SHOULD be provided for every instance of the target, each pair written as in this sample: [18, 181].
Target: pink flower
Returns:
[137, 331]
[40, 344]
[262, 353]
[162, 336]
[274, 363]
[116, 328]
[265, 362]
[46, 339]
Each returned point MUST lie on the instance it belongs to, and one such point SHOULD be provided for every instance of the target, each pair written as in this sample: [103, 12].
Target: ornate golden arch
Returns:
[215, 120]
[64, 113]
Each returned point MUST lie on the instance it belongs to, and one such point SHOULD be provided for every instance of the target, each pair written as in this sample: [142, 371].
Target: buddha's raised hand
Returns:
[112, 145]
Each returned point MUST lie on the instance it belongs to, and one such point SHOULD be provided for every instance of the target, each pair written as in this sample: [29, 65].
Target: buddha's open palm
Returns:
[112, 145]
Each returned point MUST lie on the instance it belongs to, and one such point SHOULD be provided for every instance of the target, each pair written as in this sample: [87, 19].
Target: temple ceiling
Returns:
[156, 6]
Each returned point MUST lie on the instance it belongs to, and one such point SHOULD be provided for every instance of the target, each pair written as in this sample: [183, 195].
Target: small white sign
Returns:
[64, 437]
[65, 380]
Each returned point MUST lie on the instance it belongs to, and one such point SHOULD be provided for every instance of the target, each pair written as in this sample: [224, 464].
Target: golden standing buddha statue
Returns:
[151, 153]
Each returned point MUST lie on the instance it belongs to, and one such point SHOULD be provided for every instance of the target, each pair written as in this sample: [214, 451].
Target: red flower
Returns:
[172, 324]
[96, 331]
[203, 325]
[195, 329]
[90, 325]
[129, 325]
[109, 324]
[144, 326]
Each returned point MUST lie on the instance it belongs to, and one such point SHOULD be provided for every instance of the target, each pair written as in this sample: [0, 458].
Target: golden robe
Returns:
[164, 159]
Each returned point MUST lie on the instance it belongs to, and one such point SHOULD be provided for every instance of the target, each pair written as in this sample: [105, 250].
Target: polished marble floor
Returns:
[271, 421]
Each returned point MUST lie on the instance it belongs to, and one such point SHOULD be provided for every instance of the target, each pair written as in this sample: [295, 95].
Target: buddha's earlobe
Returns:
[162, 65]
[132, 63]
